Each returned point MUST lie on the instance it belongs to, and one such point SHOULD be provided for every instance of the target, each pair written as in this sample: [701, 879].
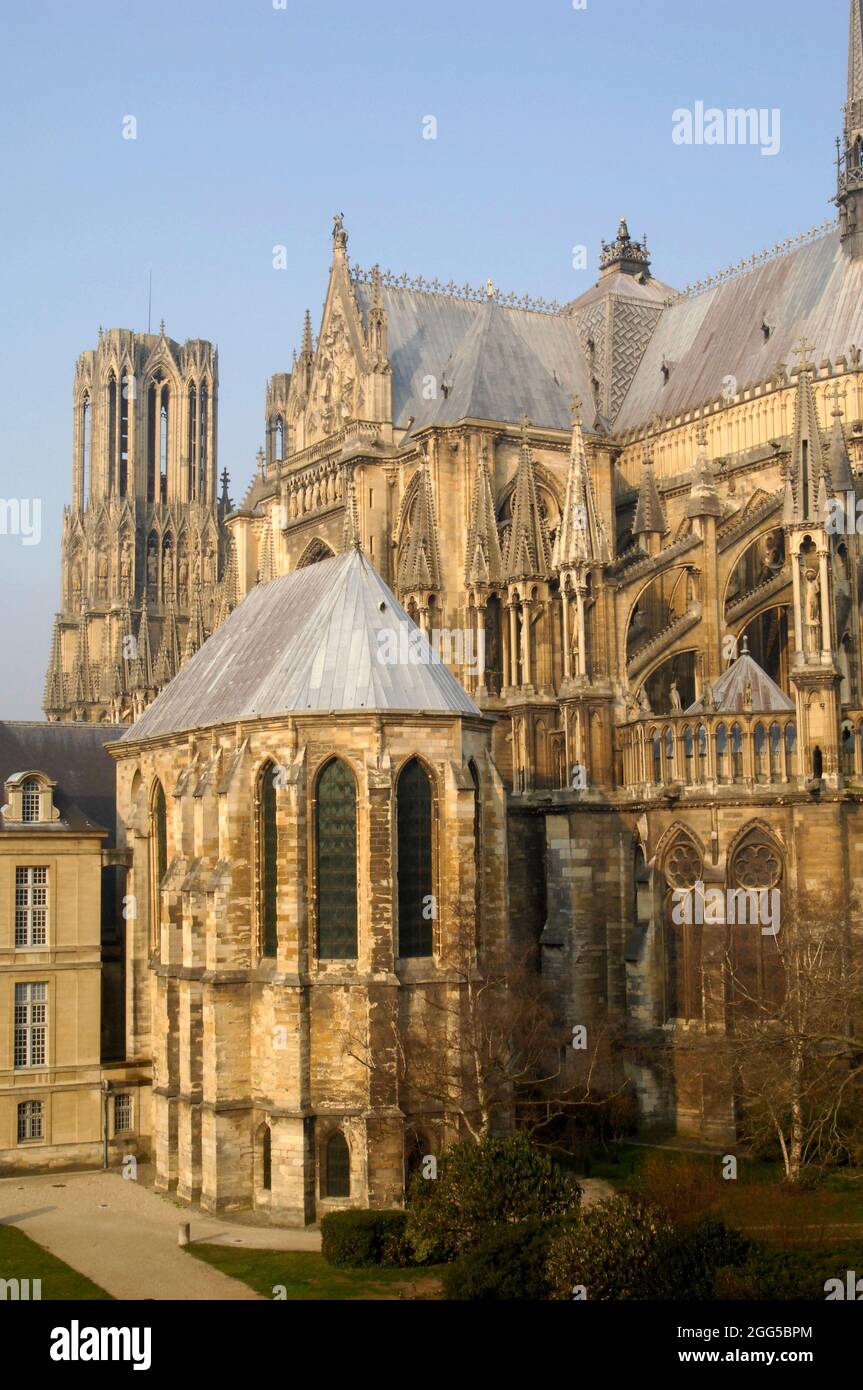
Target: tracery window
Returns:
[336, 844]
[683, 992]
[268, 861]
[415, 869]
[158, 857]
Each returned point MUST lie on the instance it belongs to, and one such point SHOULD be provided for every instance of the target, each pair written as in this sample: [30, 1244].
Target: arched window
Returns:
[86, 439]
[158, 856]
[163, 445]
[337, 1166]
[278, 438]
[125, 396]
[736, 752]
[336, 844]
[112, 432]
[267, 1159]
[268, 862]
[30, 793]
[688, 749]
[757, 867]
[192, 435]
[683, 993]
[415, 889]
[204, 426]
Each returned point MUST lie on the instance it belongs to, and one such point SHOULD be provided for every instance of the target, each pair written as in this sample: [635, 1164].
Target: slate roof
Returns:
[73, 756]
[498, 362]
[729, 691]
[305, 642]
[814, 290]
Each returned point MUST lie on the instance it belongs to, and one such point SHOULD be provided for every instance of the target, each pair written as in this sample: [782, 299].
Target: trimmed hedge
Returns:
[509, 1263]
[356, 1239]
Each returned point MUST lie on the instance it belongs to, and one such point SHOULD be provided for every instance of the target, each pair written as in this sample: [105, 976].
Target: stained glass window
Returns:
[337, 863]
[338, 1166]
[269, 862]
[416, 901]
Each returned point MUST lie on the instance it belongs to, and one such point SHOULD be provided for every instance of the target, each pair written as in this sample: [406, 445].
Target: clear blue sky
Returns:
[256, 124]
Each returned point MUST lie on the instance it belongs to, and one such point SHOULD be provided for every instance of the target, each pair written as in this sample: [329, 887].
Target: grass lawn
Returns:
[757, 1199]
[22, 1258]
[306, 1275]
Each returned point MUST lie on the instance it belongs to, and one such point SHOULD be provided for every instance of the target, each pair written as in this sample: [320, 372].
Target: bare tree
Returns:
[482, 1045]
[793, 1039]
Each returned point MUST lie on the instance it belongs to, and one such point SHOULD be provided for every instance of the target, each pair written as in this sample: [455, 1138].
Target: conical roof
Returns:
[330, 636]
[744, 677]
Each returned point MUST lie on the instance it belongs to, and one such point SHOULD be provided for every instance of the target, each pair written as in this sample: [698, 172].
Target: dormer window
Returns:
[31, 794]
[29, 799]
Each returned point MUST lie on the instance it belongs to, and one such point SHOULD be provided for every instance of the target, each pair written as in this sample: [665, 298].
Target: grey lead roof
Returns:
[814, 290]
[307, 642]
[73, 756]
[497, 362]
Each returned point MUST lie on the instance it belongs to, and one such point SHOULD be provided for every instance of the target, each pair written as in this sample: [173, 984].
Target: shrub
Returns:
[510, 1262]
[789, 1275]
[494, 1183]
[680, 1187]
[689, 1260]
[358, 1238]
[611, 1249]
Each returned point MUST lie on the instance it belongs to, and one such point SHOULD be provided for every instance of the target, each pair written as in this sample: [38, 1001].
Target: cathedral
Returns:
[532, 616]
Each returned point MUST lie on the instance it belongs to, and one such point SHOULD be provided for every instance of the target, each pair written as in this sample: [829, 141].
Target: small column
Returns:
[525, 640]
[826, 634]
[582, 631]
[799, 655]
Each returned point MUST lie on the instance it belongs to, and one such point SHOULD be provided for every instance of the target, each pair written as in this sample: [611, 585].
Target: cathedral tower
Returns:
[143, 542]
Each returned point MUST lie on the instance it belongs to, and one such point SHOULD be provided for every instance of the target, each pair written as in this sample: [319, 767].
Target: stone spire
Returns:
[420, 568]
[351, 527]
[378, 333]
[581, 539]
[849, 193]
[169, 659]
[142, 674]
[649, 513]
[266, 567]
[483, 558]
[703, 496]
[81, 691]
[229, 595]
[54, 701]
[807, 481]
[528, 551]
[840, 464]
[197, 634]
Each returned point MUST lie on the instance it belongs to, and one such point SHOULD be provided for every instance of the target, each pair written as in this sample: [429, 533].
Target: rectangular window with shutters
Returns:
[31, 906]
[31, 1025]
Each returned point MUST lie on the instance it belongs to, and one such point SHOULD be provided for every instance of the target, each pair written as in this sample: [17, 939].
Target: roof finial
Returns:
[489, 289]
[802, 352]
[340, 236]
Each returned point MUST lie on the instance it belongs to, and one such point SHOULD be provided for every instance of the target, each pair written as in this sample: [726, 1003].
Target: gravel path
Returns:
[123, 1236]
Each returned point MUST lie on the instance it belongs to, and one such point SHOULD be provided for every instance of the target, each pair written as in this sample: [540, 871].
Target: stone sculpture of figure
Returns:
[126, 572]
[707, 701]
[152, 573]
[184, 580]
[76, 586]
[102, 576]
[167, 573]
[747, 693]
[209, 565]
[676, 702]
[644, 702]
[813, 609]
